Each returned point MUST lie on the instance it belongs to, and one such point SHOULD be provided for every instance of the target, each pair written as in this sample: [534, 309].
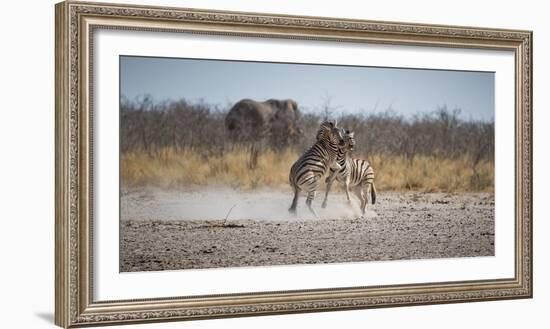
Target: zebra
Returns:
[305, 174]
[353, 172]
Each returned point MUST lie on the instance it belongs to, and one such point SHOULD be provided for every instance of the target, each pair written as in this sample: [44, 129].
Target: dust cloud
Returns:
[219, 204]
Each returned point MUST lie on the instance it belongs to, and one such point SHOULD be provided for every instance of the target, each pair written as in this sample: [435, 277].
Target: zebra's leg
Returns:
[362, 197]
[346, 186]
[292, 208]
[357, 192]
[329, 181]
[365, 195]
[309, 201]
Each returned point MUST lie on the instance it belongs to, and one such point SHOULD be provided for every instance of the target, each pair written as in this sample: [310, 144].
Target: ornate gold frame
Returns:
[76, 21]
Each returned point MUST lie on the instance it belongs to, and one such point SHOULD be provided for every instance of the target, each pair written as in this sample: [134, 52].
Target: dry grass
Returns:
[431, 174]
[189, 169]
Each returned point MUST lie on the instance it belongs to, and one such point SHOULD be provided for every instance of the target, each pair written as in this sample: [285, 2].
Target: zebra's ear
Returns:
[351, 133]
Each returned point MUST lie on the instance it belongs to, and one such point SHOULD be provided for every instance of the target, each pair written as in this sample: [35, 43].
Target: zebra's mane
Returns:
[325, 131]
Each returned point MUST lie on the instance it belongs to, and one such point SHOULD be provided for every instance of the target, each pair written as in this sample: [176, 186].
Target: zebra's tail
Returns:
[372, 193]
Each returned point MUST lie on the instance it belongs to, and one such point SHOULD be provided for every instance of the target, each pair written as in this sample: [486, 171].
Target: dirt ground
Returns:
[183, 230]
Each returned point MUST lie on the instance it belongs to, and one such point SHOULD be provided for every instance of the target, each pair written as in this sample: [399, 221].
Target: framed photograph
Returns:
[217, 164]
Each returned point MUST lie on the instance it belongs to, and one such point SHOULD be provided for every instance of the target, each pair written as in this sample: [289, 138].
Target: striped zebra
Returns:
[355, 173]
[305, 174]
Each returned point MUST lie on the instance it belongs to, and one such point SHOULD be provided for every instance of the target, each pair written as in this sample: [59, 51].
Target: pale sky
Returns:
[351, 89]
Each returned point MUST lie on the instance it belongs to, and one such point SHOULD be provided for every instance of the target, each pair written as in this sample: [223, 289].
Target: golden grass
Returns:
[189, 169]
[430, 174]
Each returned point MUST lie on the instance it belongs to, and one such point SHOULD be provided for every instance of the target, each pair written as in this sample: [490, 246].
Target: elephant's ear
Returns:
[293, 105]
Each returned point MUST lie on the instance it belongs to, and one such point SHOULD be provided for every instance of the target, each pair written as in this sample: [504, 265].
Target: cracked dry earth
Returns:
[399, 226]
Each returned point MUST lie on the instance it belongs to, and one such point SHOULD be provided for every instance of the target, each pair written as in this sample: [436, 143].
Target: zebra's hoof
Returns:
[324, 205]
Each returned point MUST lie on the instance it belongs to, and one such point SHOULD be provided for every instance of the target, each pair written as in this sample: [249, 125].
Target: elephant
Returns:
[249, 121]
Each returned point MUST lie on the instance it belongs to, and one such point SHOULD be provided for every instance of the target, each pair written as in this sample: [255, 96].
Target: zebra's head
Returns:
[349, 139]
[330, 132]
